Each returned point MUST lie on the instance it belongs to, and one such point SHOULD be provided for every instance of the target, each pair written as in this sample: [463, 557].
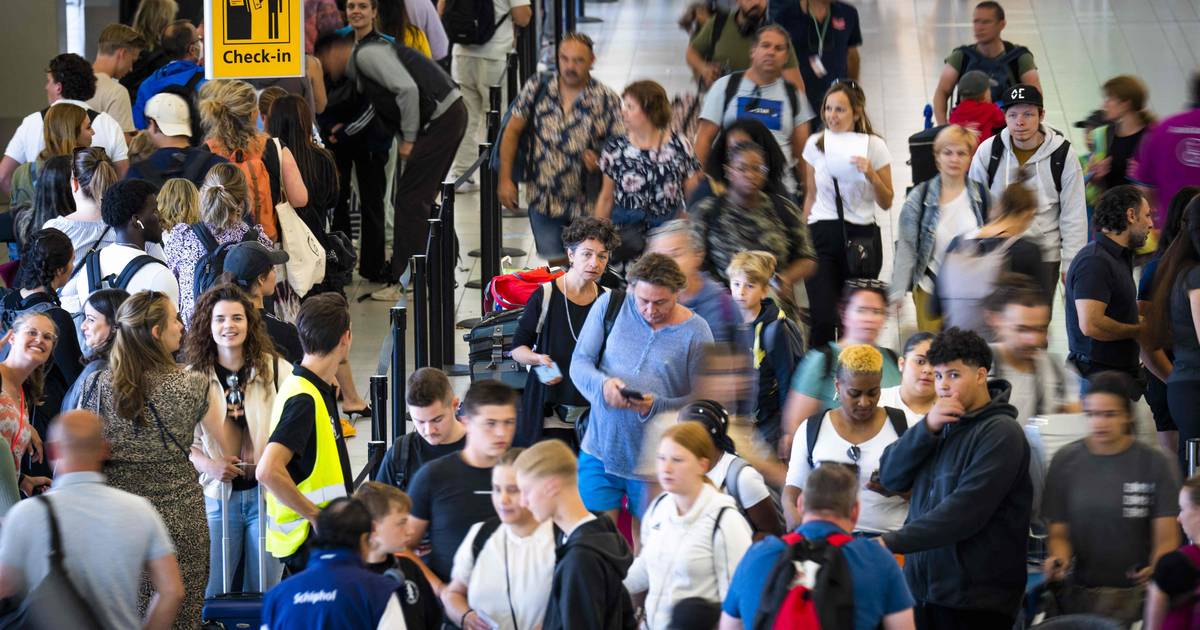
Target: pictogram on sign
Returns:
[252, 39]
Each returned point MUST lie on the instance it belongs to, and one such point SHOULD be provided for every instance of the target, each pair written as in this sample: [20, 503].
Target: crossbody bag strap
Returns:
[163, 430]
[841, 212]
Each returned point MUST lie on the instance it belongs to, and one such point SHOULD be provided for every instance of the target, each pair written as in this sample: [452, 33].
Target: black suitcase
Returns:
[490, 345]
[237, 610]
[920, 154]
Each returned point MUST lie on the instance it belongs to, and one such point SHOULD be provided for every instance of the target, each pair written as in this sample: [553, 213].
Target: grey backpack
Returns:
[967, 276]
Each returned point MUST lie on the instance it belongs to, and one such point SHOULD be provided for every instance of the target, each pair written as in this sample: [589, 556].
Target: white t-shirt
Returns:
[890, 397]
[509, 568]
[113, 259]
[955, 219]
[113, 99]
[767, 103]
[877, 514]
[502, 41]
[27, 142]
[751, 487]
[858, 198]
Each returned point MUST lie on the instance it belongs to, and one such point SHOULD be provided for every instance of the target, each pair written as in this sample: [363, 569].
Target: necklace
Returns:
[567, 310]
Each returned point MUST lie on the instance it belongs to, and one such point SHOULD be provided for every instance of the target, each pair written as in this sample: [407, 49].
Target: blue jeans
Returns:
[547, 233]
[243, 544]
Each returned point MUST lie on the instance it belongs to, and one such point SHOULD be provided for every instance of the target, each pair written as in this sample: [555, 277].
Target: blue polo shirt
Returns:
[879, 587]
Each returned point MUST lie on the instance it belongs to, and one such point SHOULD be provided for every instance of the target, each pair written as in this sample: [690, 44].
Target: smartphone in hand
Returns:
[547, 373]
[632, 394]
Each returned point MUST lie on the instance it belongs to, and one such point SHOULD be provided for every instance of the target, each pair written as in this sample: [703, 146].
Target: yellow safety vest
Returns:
[287, 530]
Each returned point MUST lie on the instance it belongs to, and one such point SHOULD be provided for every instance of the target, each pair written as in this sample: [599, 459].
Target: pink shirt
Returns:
[14, 426]
[1169, 158]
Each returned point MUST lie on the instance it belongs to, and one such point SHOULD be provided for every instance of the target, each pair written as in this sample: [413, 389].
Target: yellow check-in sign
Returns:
[251, 39]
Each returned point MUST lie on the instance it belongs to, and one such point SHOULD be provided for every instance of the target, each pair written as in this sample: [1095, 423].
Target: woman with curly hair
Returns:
[229, 113]
[229, 345]
[855, 433]
[546, 335]
[151, 409]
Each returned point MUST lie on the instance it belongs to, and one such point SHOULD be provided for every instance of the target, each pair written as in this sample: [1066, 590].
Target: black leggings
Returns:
[826, 285]
[1183, 398]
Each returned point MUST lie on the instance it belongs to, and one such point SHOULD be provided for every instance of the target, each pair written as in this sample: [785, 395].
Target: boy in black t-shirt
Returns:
[452, 493]
[432, 405]
[390, 556]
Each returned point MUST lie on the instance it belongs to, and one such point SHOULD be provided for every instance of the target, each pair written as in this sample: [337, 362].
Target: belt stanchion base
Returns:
[419, 264]
[399, 315]
[434, 279]
[445, 327]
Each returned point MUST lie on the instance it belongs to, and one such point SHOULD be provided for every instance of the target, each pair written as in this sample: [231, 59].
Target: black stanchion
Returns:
[435, 279]
[511, 76]
[378, 444]
[489, 223]
[445, 327]
[568, 14]
[399, 316]
[527, 46]
[420, 285]
[556, 20]
[584, 18]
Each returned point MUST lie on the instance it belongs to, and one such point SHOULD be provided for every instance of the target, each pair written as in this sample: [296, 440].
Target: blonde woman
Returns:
[178, 203]
[151, 408]
[693, 535]
[936, 211]
[65, 128]
[222, 220]
[229, 113]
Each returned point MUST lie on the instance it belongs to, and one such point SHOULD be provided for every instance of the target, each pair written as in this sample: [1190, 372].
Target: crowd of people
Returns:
[710, 402]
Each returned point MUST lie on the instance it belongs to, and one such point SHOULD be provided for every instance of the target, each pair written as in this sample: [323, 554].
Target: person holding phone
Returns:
[230, 345]
[547, 333]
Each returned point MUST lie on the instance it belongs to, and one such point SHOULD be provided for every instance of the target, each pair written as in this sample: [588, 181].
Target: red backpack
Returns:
[512, 290]
[809, 587]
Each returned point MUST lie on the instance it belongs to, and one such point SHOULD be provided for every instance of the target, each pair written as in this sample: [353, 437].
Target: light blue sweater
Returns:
[661, 362]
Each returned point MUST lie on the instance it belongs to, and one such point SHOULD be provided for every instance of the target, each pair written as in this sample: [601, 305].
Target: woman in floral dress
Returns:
[646, 171]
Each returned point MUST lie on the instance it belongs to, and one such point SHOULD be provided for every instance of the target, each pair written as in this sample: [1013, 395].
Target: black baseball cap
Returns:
[1022, 94]
[250, 259]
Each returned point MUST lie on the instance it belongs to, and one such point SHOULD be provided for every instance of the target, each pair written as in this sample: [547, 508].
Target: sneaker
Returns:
[348, 430]
[468, 186]
[390, 293]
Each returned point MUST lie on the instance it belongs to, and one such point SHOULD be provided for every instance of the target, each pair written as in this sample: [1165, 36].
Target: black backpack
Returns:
[730, 486]
[1004, 70]
[810, 586]
[471, 22]
[188, 164]
[12, 306]
[812, 429]
[1058, 161]
[735, 81]
[212, 263]
[91, 265]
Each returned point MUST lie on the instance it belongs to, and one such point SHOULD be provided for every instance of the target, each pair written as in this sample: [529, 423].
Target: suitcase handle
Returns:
[226, 494]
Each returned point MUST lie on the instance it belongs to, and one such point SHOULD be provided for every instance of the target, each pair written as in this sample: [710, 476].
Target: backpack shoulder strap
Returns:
[792, 96]
[91, 262]
[131, 269]
[485, 532]
[197, 76]
[731, 87]
[719, 19]
[610, 319]
[994, 159]
[408, 444]
[1058, 162]
[898, 419]
[193, 167]
[547, 291]
[730, 484]
[812, 429]
[206, 238]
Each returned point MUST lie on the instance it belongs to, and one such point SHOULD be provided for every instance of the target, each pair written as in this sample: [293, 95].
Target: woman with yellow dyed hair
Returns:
[854, 433]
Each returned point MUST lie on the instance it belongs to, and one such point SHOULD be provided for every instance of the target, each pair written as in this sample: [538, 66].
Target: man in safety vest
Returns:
[305, 464]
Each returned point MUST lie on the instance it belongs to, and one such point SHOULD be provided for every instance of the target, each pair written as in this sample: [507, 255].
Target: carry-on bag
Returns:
[228, 610]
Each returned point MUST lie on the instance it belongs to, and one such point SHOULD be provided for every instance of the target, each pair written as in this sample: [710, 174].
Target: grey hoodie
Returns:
[1061, 224]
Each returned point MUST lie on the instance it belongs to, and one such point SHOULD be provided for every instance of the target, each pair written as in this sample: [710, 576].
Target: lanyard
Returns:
[822, 30]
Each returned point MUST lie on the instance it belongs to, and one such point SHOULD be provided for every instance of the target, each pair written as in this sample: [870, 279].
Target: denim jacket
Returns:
[914, 243]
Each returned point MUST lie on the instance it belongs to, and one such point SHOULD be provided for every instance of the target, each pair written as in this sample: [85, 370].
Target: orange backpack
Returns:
[258, 180]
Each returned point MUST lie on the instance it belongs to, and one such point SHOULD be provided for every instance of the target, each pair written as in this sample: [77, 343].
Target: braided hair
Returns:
[47, 252]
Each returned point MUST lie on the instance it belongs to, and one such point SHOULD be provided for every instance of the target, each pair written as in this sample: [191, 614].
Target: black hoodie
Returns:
[776, 356]
[968, 519]
[587, 592]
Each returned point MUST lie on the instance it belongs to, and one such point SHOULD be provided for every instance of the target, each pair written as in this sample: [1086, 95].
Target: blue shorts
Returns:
[547, 234]
[602, 491]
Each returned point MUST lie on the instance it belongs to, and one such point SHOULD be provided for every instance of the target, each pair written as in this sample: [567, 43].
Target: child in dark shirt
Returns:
[975, 109]
[389, 509]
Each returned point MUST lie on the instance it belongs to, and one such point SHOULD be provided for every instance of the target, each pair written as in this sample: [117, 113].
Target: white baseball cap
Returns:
[170, 112]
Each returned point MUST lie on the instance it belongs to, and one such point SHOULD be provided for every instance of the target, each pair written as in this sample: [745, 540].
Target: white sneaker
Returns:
[468, 186]
[390, 293]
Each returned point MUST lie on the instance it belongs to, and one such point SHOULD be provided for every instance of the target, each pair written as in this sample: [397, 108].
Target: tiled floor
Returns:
[1078, 44]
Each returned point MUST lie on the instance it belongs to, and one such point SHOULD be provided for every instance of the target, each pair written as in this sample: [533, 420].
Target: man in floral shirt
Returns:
[569, 117]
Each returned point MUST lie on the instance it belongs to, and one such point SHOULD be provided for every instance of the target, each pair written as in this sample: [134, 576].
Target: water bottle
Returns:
[928, 115]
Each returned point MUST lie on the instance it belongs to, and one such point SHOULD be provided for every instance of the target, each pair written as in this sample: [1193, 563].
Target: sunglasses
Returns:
[866, 283]
[850, 83]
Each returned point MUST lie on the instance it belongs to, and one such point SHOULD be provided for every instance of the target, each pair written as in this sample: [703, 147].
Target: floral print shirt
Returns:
[771, 224]
[186, 250]
[15, 427]
[561, 137]
[649, 180]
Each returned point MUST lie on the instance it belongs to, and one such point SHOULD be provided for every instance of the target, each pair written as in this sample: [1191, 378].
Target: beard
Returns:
[751, 21]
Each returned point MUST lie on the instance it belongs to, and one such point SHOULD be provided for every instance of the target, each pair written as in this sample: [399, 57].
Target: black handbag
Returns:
[864, 252]
[55, 602]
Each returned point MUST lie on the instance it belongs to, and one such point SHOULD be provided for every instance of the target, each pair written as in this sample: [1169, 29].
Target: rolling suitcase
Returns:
[920, 154]
[241, 611]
